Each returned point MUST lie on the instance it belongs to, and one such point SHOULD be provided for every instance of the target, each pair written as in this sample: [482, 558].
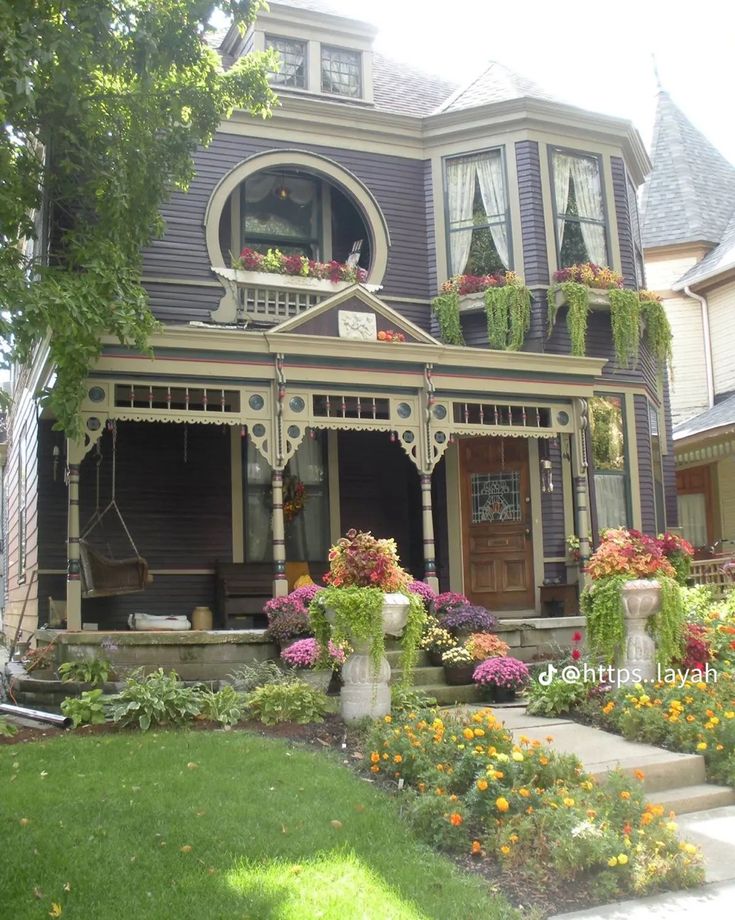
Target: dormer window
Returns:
[293, 61]
[579, 208]
[341, 72]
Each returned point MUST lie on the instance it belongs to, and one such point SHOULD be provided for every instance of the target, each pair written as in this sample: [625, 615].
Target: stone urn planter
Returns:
[365, 687]
[319, 679]
[641, 599]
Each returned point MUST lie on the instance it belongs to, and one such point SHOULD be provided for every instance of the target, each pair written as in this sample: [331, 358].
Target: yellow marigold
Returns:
[374, 757]
[518, 757]
[469, 734]
[439, 790]
[622, 859]
[702, 746]
[505, 850]
[543, 761]
[501, 803]
[529, 810]
[613, 861]
[688, 848]
[397, 758]
[690, 718]
[591, 813]
[387, 718]
[482, 784]
[608, 708]
[639, 775]
[422, 787]
[524, 792]
[625, 794]
[568, 801]
[646, 818]
[730, 714]
[479, 733]
[498, 774]
[456, 819]
[476, 848]
[375, 769]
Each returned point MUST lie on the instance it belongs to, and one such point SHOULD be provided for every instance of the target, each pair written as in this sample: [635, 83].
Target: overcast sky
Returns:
[576, 53]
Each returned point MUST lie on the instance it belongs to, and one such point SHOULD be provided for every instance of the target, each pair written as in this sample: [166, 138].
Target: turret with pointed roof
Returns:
[690, 195]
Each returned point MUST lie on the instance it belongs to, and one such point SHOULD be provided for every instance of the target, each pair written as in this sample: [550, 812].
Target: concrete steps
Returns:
[676, 781]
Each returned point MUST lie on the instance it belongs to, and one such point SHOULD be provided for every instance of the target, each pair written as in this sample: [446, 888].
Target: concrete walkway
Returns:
[674, 780]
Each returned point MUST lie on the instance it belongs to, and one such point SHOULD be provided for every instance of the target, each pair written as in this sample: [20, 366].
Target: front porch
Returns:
[224, 424]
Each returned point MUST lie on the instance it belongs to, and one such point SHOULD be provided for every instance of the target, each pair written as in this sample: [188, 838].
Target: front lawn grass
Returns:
[200, 825]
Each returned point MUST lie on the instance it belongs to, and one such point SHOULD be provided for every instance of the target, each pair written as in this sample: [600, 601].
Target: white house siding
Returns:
[722, 327]
[663, 272]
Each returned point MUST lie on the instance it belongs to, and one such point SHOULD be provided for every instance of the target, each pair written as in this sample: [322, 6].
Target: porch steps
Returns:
[429, 679]
[676, 781]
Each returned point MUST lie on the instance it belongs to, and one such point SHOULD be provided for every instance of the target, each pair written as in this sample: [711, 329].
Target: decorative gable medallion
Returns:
[361, 326]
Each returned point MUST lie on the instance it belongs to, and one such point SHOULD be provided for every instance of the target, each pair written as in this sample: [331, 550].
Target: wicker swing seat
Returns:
[105, 577]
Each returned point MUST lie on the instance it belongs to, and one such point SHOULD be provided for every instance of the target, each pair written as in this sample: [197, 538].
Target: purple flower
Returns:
[305, 653]
[426, 593]
[502, 672]
[468, 618]
[447, 601]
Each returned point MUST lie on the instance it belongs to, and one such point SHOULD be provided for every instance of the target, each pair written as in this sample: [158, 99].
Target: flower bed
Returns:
[468, 787]
[275, 262]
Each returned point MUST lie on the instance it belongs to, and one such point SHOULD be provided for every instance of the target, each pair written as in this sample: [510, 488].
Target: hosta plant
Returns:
[87, 709]
[294, 701]
[155, 699]
[87, 670]
[225, 706]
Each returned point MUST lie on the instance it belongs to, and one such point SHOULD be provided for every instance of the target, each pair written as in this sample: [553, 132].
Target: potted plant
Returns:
[288, 617]
[633, 605]
[468, 619]
[436, 641]
[276, 263]
[502, 677]
[303, 656]
[424, 591]
[680, 553]
[448, 600]
[366, 598]
[458, 666]
[486, 645]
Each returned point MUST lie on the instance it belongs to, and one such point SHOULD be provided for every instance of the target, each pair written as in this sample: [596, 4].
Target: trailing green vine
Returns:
[508, 311]
[625, 319]
[577, 299]
[357, 613]
[446, 310]
[658, 335]
[667, 626]
[602, 605]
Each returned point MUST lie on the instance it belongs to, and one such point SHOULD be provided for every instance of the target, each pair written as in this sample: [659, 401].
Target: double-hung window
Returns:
[477, 214]
[609, 461]
[579, 208]
[292, 54]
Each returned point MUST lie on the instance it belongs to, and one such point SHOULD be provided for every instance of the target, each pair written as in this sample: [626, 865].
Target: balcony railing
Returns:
[265, 298]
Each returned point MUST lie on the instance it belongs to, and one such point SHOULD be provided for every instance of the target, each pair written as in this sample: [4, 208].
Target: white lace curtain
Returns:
[584, 171]
[462, 173]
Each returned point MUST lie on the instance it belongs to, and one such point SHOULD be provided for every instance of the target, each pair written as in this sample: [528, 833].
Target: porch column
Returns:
[580, 471]
[74, 454]
[280, 583]
[430, 576]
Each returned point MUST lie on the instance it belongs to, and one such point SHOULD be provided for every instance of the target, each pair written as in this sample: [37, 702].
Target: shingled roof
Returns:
[721, 415]
[403, 89]
[690, 195]
[495, 83]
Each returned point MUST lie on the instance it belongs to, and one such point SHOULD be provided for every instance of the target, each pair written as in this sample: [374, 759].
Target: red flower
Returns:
[576, 654]
[577, 637]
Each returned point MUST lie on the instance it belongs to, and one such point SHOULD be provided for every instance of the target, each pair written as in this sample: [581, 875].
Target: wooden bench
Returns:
[242, 590]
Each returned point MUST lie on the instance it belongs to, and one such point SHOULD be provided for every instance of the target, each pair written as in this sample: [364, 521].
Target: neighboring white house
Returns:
[688, 231]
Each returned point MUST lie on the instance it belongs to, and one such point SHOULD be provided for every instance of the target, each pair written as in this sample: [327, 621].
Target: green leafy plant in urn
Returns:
[366, 598]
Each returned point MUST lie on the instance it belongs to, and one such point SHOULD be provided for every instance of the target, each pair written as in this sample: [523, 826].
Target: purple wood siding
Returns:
[623, 221]
[552, 505]
[645, 465]
[173, 488]
[533, 236]
[397, 183]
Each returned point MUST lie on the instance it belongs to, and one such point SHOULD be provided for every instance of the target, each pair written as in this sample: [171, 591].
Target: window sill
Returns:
[598, 299]
[283, 282]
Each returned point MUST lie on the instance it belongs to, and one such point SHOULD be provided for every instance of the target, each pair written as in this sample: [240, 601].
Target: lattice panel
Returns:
[275, 305]
[497, 415]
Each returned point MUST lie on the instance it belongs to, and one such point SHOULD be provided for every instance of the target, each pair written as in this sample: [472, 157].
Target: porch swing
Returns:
[103, 575]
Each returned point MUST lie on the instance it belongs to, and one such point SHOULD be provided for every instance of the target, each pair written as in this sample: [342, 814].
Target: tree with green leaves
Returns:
[103, 103]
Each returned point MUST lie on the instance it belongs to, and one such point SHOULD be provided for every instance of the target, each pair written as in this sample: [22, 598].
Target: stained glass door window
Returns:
[496, 497]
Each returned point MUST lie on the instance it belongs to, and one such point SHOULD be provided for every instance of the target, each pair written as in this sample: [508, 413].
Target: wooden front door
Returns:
[496, 523]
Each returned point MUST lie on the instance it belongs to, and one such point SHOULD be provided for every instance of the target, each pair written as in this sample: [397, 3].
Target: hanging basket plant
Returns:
[507, 308]
[658, 335]
[577, 299]
[625, 319]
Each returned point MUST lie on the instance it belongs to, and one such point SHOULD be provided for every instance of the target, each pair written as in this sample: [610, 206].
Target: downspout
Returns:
[707, 345]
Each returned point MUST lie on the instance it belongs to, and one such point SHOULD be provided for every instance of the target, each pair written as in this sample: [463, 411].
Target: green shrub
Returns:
[226, 706]
[408, 699]
[7, 729]
[258, 674]
[294, 701]
[87, 709]
[155, 699]
[87, 670]
[556, 697]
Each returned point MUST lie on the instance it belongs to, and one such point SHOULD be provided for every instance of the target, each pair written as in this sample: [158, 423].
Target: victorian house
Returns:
[279, 410]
